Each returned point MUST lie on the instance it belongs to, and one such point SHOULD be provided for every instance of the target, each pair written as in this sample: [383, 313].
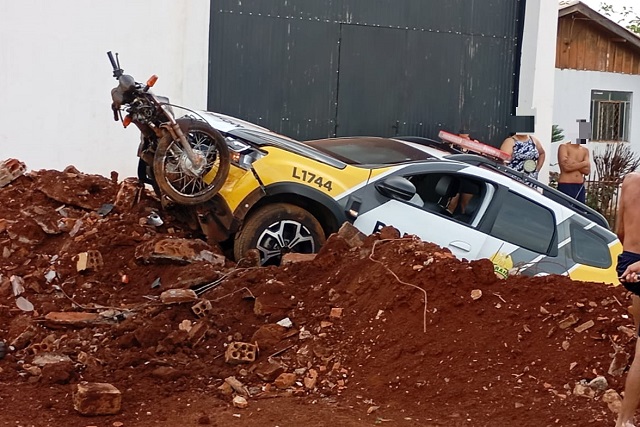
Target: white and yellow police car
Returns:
[284, 195]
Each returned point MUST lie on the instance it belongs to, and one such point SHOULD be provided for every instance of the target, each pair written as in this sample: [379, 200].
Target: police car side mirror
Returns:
[396, 187]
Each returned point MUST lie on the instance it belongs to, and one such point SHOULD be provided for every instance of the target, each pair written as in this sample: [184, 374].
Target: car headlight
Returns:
[242, 154]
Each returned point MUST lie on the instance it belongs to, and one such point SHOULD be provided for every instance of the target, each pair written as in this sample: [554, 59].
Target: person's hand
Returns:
[630, 275]
[534, 174]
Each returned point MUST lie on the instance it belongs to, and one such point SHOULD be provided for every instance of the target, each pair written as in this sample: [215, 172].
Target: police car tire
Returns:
[258, 222]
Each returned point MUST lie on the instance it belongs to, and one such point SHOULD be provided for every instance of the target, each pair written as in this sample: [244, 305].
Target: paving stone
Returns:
[97, 399]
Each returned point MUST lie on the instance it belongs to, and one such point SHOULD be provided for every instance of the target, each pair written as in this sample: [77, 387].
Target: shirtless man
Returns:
[628, 268]
[574, 165]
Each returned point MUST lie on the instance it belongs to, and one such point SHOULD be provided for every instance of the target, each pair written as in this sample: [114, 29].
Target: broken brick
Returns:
[293, 257]
[177, 296]
[202, 309]
[10, 170]
[240, 352]
[90, 260]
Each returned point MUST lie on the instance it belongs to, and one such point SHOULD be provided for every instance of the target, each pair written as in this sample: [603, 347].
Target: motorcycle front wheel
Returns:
[182, 181]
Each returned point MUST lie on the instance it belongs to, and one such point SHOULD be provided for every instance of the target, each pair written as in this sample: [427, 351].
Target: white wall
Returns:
[573, 101]
[55, 78]
[537, 71]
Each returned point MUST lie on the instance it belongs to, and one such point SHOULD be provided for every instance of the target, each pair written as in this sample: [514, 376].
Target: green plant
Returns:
[611, 163]
[556, 133]
[630, 19]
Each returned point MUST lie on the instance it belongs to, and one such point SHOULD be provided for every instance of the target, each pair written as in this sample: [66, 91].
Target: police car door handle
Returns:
[463, 246]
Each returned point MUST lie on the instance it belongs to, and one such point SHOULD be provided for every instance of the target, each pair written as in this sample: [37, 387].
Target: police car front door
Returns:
[463, 240]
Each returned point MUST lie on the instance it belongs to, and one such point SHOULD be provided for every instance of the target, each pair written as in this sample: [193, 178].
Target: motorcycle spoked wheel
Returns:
[174, 173]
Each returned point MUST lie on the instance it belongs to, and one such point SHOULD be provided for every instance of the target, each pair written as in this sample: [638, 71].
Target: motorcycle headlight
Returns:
[242, 154]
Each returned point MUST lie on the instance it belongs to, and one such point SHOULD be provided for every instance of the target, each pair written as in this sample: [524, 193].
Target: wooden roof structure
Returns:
[588, 40]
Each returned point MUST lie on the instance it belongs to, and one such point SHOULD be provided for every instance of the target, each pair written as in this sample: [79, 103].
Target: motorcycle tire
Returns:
[172, 169]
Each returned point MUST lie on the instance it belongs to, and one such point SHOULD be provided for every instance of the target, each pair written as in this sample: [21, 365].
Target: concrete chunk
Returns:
[97, 399]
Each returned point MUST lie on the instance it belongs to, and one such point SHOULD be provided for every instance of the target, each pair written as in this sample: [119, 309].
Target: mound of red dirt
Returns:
[385, 329]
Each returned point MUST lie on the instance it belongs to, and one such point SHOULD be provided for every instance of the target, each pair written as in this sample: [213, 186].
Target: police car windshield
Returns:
[369, 151]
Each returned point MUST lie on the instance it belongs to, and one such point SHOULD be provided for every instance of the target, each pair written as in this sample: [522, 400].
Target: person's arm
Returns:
[568, 165]
[507, 146]
[620, 215]
[541, 154]
[586, 170]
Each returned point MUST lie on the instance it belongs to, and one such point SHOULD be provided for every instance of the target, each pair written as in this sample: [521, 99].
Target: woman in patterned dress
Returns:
[527, 154]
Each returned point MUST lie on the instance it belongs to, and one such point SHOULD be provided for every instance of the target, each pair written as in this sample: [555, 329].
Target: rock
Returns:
[568, 322]
[599, 383]
[269, 372]
[583, 390]
[353, 236]
[72, 318]
[311, 379]
[240, 402]
[167, 373]
[285, 380]
[197, 332]
[613, 400]
[584, 326]
[389, 233]
[96, 399]
[292, 258]
[268, 336]
[49, 359]
[619, 362]
[335, 313]
[237, 386]
[180, 250]
[177, 296]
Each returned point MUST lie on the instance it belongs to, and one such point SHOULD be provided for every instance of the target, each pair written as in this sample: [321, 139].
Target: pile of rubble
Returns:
[108, 304]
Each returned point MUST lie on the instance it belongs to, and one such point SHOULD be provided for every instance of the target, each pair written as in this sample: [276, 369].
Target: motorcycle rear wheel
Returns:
[174, 173]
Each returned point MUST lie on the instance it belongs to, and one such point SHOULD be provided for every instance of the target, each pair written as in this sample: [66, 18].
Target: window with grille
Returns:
[610, 115]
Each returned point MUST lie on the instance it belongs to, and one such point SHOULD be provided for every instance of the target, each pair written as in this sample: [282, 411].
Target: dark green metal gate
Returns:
[319, 68]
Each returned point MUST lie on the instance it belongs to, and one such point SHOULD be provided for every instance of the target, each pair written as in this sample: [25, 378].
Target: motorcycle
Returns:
[184, 159]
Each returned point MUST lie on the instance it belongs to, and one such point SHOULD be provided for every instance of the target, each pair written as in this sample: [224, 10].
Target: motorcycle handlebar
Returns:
[117, 71]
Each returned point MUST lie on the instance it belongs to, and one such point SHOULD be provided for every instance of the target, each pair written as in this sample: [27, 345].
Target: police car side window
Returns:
[588, 248]
[525, 224]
